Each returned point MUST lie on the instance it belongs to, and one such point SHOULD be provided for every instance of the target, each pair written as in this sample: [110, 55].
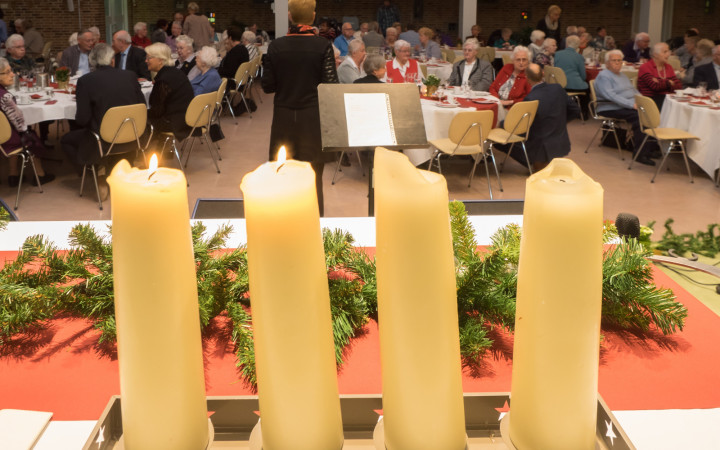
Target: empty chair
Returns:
[467, 135]
[609, 124]
[22, 152]
[241, 80]
[516, 128]
[650, 124]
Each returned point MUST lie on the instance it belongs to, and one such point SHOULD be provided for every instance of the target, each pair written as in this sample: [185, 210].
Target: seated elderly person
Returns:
[186, 56]
[175, 32]
[656, 78]
[374, 68]
[537, 37]
[573, 64]
[34, 41]
[342, 41]
[506, 42]
[362, 31]
[20, 135]
[140, 38]
[128, 57]
[702, 55]
[373, 38]
[428, 45]
[171, 95]
[17, 55]
[547, 56]
[477, 73]
[585, 39]
[391, 35]
[236, 55]
[475, 31]
[351, 68]
[401, 67]
[94, 99]
[685, 51]
[599, 41]
[248, 40]
[75, 57]
[510, 85]
[708, 73]
[616, 99]
[637, 50]
[208, 80]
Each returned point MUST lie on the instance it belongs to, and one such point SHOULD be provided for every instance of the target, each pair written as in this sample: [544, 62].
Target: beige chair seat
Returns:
[504, 136]
[445, 145]
[669, 134]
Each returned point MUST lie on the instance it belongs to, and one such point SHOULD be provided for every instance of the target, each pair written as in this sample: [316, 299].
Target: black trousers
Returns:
[631, 117]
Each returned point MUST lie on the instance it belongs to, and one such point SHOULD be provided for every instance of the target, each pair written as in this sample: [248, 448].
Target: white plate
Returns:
[41, 99]
[445, 105]
[480, 93]
[704, 105]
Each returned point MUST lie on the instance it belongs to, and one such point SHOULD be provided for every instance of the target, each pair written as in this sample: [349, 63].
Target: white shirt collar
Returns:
[403, 67]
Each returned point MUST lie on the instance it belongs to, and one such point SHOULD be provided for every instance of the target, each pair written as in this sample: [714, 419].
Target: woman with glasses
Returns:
[401, 67]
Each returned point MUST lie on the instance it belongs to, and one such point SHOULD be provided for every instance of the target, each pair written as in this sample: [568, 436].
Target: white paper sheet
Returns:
[369, 120]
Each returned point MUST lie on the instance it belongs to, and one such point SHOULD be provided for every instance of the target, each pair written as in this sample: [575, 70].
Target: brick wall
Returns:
[52, 18]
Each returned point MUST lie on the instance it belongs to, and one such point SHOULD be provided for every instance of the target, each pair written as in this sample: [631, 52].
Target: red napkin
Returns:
[61, 92]
[698, 103]
[51, 102]
[36, 96]
[715, 107]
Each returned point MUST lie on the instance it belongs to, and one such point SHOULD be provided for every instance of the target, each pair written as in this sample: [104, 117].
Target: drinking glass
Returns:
[702, 88]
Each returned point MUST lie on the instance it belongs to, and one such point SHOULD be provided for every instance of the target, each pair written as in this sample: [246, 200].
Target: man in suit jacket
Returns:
[98, 91]
[709, 73]
[128, 57]
[481, 74]
[638, 49]
[548, 133]
[75, 57]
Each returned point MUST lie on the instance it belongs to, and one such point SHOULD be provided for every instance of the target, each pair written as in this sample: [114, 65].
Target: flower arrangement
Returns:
[431, 80]
[62, 74]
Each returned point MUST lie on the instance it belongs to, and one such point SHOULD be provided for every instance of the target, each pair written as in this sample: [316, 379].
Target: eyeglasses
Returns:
[7, 72]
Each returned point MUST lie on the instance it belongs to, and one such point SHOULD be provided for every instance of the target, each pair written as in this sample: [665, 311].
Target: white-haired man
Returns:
[477, 73]
[637, 50]
[94, 99]
[128, 57]
[76, 57]
[351, 68]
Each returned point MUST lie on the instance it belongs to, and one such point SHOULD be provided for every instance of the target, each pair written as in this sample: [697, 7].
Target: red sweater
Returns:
[137, 41]
[395, 75]
[650, 82]
[520, 88]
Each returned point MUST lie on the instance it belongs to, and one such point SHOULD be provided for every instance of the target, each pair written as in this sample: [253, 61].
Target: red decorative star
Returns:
[504, 410]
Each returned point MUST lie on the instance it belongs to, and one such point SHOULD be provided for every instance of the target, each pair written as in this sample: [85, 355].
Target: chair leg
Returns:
[97, 188]
[337, 167]
[22, 174]
[242, 96]
[232, 111]
[357, 153]
[82, 180]
[617, 142]
[662, 161]
[593, 138]
[37, 178]
[507, 155]
[687, 164]
[492, 158]
[577, 100]
[638, 151]
[177, 158]
[434, 155]
[192, 144]
[209, 146]
[526, 157]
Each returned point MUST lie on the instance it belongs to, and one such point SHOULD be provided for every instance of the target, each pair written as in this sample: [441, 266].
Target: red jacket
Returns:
[650, 82]
[395, 75]
[520, 88]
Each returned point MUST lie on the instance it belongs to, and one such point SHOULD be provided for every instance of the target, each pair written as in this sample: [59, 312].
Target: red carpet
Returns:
[60, 370]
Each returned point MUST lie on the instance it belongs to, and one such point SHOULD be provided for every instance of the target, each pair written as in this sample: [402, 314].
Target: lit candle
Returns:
[162, 382]
[557, 323]
[290, 300]
[417, 308]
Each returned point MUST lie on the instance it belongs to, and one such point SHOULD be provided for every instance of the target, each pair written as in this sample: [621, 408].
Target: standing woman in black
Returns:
[550, 24]
[294, 66]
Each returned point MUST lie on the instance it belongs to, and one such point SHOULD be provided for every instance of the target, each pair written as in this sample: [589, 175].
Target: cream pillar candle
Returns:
[290, 300]
[162, 382]
[417, 308]
[553, 403]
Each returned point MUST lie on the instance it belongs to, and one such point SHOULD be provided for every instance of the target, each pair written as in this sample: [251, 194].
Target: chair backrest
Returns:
[461, 128]
[507, 59]
[242, 74]
[593, 100]
[221, 90]
[520, 117]
[46, 49]
[486, 53]
[5, 132]
[372, 50]
[423, 69]
[674, 62]
[593, 96]
[123, 124]
[648, 112]
[555, 75]
[632, 75]
[200, 110]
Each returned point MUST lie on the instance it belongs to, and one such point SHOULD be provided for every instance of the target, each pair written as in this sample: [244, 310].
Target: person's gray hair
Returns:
[4, 63]
[185, 39]
[704, 48]
[175, 22]
[248, 37]
[139, 26]
[72, 40]
[123, 36]
[101, 55]
[537, 35]
[614, 52]
[160, 51]
[193, 7]
[519, 49]
[548, 42]
[472, 42]
[208, 55]
[374, 26]
[572, 42]
[355, 46]
[10, 42]
[642, 36]
[391, 30]
[400, 44]
[571, 30]
[373, 63]
[657, 48]
[95, 31]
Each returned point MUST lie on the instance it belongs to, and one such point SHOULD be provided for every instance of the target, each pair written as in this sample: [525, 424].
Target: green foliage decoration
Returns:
[706, 243]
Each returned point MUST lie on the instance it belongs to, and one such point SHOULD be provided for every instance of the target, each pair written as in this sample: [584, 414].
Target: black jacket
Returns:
[232, 60]
[135, 63]
[169, 101]
[706, 73]
[94, 97]
[367, 79]
[548, 133]
[185, 67]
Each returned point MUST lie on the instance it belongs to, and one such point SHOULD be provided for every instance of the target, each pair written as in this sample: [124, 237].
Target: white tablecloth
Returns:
[65, 108]
[442, 71]
[702, 122]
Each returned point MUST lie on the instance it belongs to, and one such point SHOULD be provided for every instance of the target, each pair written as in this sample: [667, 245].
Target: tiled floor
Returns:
[693, 206]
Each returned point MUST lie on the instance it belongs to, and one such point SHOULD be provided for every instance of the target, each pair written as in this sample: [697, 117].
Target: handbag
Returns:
[216, 132]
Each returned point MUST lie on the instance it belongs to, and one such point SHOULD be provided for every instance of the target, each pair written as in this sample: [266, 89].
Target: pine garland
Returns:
[706, 243]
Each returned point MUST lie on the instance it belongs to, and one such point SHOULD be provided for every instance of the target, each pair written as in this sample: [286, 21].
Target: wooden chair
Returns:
[467, 136]
[45, 54]
[486, 53]
[22, 152]
[650, 124]
[241, 79]
[198, 116]
[506, 59]
[516, 128]
[220, 93]
[632, 75]
[120, 125]
[557, 75]
[608, 125]
[674, 62]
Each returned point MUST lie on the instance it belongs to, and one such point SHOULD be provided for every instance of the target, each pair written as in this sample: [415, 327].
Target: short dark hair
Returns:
[234, 33]
[599, 29]
[534, 73]
[691, 32]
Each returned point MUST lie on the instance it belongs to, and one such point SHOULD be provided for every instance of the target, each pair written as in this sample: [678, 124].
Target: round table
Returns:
[440, 70]
[703, 122]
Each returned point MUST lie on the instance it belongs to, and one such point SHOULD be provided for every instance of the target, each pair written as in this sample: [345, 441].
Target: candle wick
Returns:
[151, 174]
[279, 167]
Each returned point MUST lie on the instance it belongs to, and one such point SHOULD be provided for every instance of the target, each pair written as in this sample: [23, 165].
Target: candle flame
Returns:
[282, 155]
[152, 168]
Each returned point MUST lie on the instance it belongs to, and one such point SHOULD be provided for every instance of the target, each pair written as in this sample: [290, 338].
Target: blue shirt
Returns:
[3, 31]
[83, 64]
[342, 44]
[614, 91]
[206, 82]
[124, 57]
